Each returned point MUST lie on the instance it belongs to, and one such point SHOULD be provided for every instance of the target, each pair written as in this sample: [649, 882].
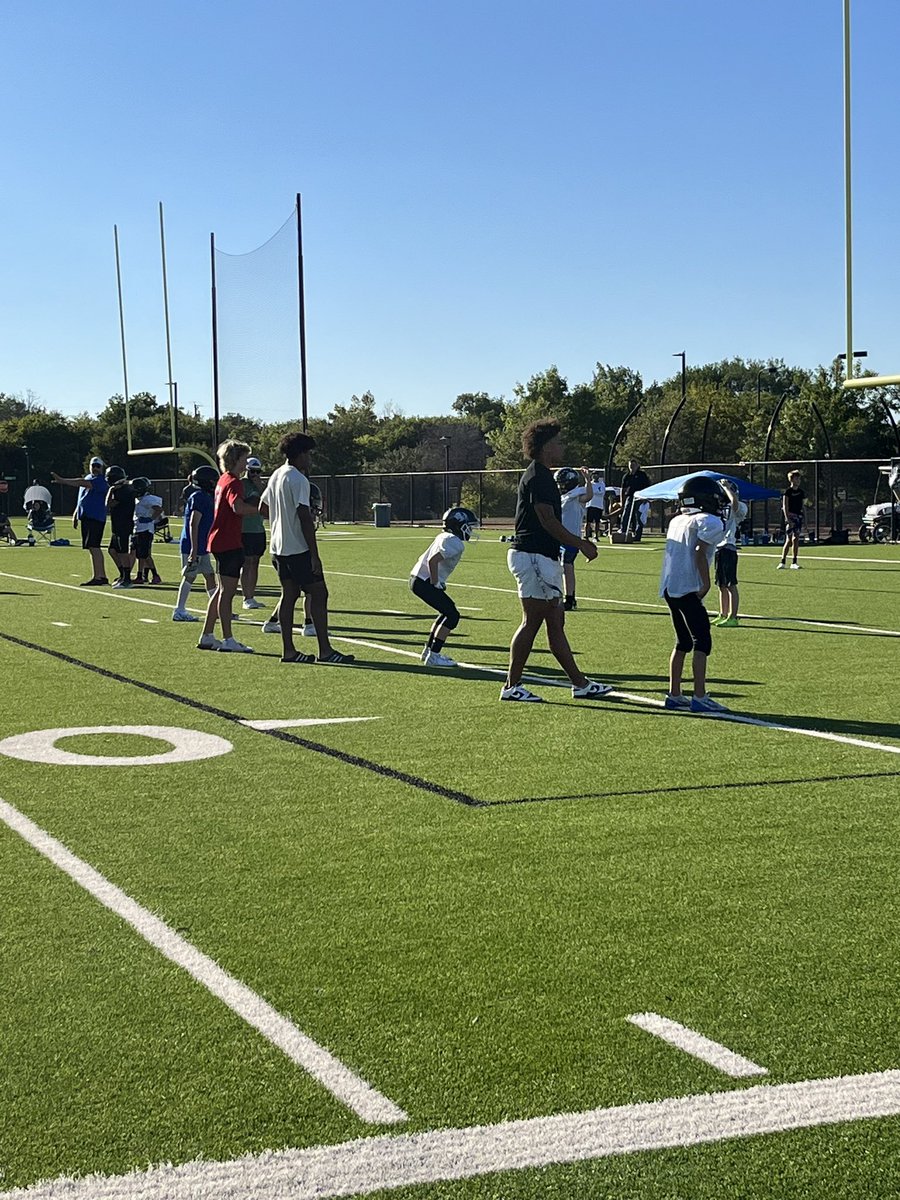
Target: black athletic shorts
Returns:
[229, 563]
[254, 545]
[691, 621]
[141, 543]
[297, 568]
[91, 533]
[726, 566]
[120, 543]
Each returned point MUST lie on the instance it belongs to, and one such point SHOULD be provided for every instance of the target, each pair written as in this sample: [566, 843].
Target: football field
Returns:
[310, 931]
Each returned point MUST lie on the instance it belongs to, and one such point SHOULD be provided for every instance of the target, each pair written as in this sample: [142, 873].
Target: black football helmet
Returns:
[115, 475]
[205, 478]
[568, 478]
[141, 485]
[700, 491]
[461, 521]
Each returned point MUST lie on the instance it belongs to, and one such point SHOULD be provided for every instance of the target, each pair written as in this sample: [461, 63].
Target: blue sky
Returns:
[488, 188]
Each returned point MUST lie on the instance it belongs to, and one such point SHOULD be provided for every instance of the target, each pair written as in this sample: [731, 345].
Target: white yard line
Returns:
[298, 722]
[392, 1161]
[697, 1045]
[346, 1087]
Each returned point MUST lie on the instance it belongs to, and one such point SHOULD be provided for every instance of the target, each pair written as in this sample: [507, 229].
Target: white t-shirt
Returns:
[738, 512]
[445, 543]
[598, 497]
[687, 532]
[144, 520]
[287, 487]
[572, 510]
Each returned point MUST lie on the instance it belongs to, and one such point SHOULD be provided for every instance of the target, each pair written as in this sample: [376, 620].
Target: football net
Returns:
[257, 301]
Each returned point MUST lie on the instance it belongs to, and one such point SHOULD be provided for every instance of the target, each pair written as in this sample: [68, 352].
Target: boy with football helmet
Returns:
[146, 509]
[575, 490]
[199, 509]
[428, 580]
[691, 540]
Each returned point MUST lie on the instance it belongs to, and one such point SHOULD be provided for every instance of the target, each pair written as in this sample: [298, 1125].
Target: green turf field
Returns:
[461, 901]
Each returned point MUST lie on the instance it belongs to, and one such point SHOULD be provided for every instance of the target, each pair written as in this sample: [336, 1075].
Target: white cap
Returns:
[97, 462]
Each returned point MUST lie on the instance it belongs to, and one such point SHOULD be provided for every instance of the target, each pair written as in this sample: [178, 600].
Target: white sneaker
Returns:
[208, 642]
[271, 627]
[309, 630]
[250, 602]
[520, 693]
[592, 690]
[433, 659]
[795, 566]
[781, 566]
[181, 614]
[233, 646]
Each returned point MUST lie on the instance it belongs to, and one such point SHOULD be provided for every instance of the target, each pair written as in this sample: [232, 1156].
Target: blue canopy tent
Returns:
[668, 489]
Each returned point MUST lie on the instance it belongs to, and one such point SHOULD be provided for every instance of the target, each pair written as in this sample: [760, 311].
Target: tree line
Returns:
[724, 420]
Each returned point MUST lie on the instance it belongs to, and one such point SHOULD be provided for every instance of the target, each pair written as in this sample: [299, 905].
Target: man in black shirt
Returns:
[634, 480]
[792, 499]
[534, 562]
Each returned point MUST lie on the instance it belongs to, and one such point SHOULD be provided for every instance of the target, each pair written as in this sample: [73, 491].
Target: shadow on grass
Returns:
[690, 788]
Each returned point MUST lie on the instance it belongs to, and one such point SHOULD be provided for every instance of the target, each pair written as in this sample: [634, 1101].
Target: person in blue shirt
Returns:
[90, 513]
[198, 518]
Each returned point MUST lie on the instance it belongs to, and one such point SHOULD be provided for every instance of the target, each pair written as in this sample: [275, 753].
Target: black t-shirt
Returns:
[537, 486]
[634, 483]
[795, 498]
[121, 507]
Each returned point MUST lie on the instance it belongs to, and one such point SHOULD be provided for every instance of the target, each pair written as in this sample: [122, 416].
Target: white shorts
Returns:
[537, 577]
[203, 566]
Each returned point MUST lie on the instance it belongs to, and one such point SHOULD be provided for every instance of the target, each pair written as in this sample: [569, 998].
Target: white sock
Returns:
[183, 592]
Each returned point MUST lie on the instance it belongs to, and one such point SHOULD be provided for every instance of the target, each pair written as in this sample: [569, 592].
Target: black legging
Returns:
[437, 599]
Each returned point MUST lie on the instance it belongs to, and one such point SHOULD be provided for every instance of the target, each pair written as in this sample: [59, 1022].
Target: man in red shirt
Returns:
[226, 543]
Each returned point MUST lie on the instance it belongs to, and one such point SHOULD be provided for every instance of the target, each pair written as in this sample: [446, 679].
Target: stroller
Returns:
[41, 525]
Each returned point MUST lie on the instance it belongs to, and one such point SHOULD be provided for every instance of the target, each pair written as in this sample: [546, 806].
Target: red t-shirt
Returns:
[227, 527]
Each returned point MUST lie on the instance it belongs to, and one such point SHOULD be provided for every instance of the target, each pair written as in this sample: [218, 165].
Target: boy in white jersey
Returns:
[575, 490]
[428, 581]
[727, 558]
[691, 541]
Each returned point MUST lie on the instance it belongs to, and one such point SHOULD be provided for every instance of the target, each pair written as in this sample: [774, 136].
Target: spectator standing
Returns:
[226, 543]
[727, 558]
[90, 513]
[634, 480]
[595, 512]
[792, 499]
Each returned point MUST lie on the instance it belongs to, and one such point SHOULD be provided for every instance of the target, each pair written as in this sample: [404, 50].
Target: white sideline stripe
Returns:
[695, 1044]
[148, 620]
[343, 1084]
[392, 1161]
[61, 624]
[298, 721]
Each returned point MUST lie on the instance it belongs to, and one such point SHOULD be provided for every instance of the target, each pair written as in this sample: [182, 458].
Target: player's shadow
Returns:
[796, 625]
[844, 726]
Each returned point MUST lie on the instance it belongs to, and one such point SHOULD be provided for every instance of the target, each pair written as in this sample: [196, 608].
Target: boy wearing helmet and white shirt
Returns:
[428, 581]
[146, 509]
[575, 490]
[691, 541]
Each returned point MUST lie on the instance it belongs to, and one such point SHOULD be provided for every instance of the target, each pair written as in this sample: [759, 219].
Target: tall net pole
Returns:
[122, 336]
[304, 410]
[215, 339]
[170, 384]
[848, 216]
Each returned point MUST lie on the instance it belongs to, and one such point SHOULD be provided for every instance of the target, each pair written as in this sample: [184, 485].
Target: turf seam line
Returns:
[346, 1086]
[353, 760]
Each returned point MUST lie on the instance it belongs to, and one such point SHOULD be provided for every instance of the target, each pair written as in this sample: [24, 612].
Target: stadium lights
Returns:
[856, 354]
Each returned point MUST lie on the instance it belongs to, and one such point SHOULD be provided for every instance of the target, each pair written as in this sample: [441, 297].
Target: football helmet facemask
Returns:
[700, 491]
[461, 521]
[115, 475]
[141, 485]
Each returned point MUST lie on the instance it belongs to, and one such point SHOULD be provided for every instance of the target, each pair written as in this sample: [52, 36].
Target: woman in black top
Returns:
[792, 510]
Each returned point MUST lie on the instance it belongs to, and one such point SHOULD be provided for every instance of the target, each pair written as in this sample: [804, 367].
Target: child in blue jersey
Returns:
[198, 517]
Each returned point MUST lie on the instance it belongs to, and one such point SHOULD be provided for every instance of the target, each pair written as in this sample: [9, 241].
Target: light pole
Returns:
[662, 454]
[27, 454]
[759, 374]
[446, 444]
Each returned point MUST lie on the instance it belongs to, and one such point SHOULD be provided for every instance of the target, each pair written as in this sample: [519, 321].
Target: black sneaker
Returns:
[570, 604]
[92, 583]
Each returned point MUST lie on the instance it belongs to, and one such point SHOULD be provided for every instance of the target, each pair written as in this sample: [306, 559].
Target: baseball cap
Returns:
[253, 464]
[97, 462]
